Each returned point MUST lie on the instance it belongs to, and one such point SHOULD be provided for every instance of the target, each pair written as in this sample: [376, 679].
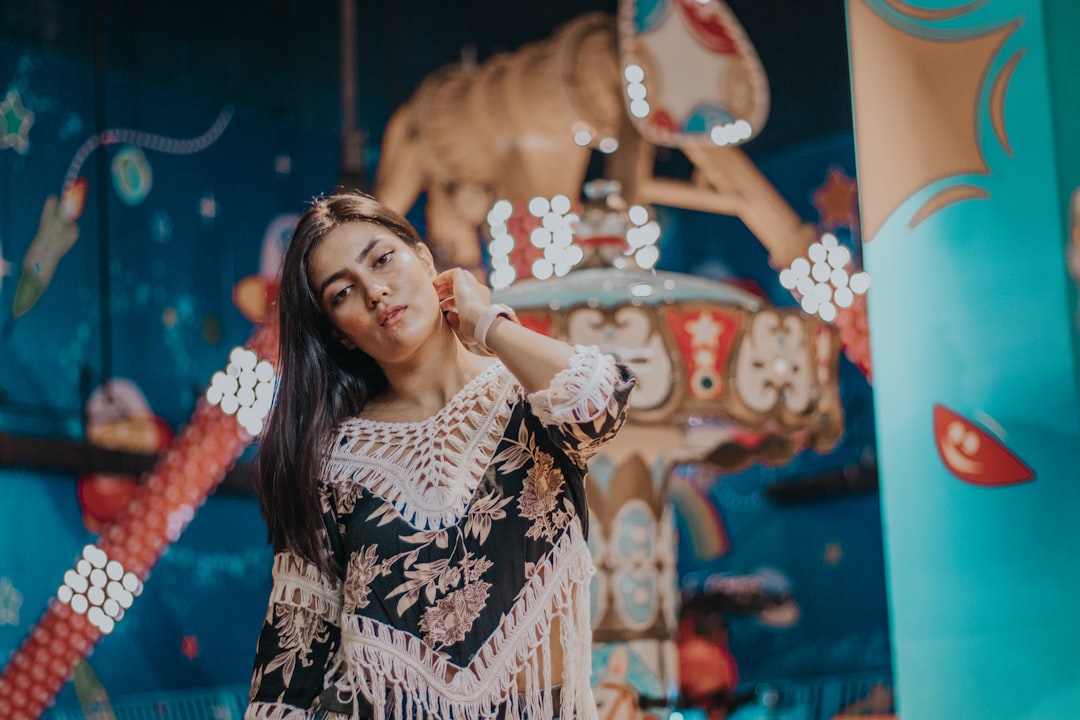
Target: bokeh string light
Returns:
[548, 238]
[100, 588]
[822, 280]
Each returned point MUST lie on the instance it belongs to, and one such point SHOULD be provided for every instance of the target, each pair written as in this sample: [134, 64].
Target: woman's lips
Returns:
[391, 316]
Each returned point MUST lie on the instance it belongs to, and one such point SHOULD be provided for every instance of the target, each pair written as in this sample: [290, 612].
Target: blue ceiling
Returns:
[282, 58]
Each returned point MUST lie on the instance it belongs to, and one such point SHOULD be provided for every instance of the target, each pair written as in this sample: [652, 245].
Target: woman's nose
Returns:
[376, 291]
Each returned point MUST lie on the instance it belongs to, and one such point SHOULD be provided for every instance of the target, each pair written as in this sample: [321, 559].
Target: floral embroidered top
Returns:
[462, 543]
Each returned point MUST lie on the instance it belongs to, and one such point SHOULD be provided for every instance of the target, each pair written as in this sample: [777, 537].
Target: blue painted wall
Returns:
[173, 261]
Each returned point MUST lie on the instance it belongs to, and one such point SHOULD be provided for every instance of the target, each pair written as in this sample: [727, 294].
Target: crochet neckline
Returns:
[466, 391]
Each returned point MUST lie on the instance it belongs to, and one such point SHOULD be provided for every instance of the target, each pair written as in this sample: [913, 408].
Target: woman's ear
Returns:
[425, 254]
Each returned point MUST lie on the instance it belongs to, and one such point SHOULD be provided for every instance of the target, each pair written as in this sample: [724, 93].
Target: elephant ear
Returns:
[691, 75]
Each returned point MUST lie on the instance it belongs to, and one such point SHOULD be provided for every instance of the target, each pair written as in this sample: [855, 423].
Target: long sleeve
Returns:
[585, 405]
[299, 639]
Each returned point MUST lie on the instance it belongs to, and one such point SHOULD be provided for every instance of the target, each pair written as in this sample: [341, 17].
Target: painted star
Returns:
[15, 123]
[704, 330]
[10, 603]
[837, 201]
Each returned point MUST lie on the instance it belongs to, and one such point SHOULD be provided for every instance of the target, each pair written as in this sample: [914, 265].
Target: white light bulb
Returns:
[859, 282]
[542, 269]
[633, 73]
[503, 277]
[76, 581]
[647, 257]
[539, 206]
[502, 210]
[540, 237]
[131, 583]
[839, 256]
[638, 214]
[609, 145]
[501, 245]
[264, 371]
[229, 404]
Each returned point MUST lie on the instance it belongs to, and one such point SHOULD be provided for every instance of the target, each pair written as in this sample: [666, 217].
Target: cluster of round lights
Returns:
[635, 90]
[245, 389]
[731, 133]
[554, 235]
[99, 588]
[642, 237]
[823, 281]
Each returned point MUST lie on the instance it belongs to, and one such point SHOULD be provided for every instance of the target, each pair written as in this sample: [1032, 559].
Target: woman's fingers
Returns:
[444, 284]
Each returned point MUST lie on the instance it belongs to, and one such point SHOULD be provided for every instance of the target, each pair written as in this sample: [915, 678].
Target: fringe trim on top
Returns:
[579, 393]
[300, 584]
[404, 679]
[428, 470]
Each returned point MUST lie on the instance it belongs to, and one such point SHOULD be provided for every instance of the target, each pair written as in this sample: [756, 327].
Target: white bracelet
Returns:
[484, 322]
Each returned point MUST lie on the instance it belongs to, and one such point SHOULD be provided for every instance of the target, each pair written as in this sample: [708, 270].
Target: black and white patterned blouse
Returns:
[462, 540]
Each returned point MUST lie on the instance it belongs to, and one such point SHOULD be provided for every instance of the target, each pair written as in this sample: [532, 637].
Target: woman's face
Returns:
[376, 290]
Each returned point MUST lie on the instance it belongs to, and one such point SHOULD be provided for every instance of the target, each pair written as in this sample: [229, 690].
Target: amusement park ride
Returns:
[501, 151]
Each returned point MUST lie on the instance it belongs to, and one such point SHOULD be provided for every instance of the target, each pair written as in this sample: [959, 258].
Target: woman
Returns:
[422, 477]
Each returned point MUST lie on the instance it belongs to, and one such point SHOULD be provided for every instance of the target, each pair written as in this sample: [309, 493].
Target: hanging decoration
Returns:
[58, 231]
[723, 101]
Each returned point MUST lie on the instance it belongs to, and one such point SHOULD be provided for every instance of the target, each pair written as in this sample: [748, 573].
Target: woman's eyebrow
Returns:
[359, 259]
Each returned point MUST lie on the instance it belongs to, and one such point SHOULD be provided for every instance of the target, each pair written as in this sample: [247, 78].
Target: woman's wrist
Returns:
[487, 318]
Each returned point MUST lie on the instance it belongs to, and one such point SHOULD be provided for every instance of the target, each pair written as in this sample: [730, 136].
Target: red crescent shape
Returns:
[991, 464]
[708, 28]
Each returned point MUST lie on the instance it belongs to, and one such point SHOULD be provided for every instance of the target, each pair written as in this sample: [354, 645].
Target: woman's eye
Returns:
[340, 295]
[383, 259]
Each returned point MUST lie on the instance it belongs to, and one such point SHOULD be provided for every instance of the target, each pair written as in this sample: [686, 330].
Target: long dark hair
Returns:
[321, 382]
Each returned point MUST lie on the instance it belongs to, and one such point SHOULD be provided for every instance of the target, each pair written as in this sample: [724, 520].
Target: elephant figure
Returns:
[527, 123]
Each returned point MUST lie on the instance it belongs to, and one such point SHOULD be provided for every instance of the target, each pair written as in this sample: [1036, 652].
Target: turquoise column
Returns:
[967, 130]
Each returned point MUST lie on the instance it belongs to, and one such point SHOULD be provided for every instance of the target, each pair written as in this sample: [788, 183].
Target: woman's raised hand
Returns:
[463, 299]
